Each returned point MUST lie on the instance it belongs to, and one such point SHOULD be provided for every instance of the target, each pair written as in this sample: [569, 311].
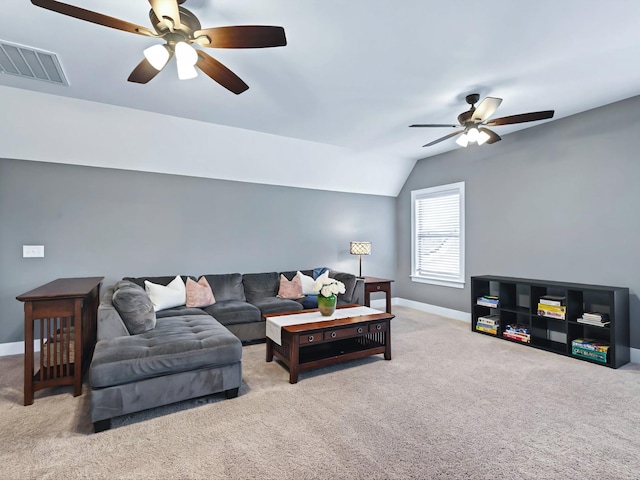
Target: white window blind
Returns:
[438, 235]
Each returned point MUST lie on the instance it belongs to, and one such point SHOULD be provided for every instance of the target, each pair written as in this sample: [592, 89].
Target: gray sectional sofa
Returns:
[187, 352]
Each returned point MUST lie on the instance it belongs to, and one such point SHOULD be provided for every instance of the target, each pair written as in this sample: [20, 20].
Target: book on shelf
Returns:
[597, 323]
[590, 344]
[557, 300]
[517, 332]
[489, 320]
[552, 311]
[515, 328]
[488, 301]
[596, 316]
[486, 329]
[520, 337]
[590, 354]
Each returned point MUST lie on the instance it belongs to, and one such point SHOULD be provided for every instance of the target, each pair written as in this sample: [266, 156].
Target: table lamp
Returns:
[360, 248]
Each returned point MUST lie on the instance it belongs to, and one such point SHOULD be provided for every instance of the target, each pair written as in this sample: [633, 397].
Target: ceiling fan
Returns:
[180, 29]
[473, 122]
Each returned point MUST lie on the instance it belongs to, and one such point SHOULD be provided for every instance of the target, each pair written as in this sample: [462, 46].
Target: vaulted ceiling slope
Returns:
[338, 98]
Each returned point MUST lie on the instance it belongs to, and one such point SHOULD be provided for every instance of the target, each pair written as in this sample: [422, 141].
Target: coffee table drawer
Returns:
[345, 332]
[378, 327]
[313, 337]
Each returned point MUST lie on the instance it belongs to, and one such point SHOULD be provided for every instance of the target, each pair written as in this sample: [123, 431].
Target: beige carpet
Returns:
[451, 404]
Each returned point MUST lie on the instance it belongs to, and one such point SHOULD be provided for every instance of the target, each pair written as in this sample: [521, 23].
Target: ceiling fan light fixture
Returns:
[157, 56]
[483, 137]
[463, 140]
[473, 134]
[186, 59]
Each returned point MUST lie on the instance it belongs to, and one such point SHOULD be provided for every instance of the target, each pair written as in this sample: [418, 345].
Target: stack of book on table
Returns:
[595, 318]
[517, 332]
[590, 348]
[488, 301]
[553, 306]
[488, 324]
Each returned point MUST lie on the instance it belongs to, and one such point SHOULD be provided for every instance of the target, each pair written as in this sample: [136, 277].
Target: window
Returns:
[437, 235]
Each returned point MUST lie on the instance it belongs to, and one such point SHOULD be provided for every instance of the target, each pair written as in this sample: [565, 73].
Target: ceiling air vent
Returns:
[30, 63]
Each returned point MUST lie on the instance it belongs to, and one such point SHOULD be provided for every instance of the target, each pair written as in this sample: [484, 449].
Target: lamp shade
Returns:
[360, 248]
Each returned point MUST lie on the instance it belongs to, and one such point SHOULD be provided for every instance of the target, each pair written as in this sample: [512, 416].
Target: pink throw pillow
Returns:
[199, 294]
[291, 289]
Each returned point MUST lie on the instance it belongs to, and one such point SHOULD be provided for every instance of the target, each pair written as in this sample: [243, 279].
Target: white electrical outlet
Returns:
[30, 251]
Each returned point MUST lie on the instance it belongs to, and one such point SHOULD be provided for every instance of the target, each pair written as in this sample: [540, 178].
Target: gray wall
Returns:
[113, 223]
[558, 201]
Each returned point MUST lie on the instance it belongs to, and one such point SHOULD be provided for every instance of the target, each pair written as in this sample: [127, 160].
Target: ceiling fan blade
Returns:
[487, 107]
[166, 9]
[242, 36]
[522, 118]
[441, 139]
[144, 72]
[93, 17]
[433, 125]
[220, 73]
[493, 136]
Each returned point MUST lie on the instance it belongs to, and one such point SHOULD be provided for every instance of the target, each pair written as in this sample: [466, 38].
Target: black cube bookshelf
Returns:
[518, 304]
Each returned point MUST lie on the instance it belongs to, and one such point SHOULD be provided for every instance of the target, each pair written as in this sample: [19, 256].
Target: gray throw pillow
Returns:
[135, 308]
[126, 283]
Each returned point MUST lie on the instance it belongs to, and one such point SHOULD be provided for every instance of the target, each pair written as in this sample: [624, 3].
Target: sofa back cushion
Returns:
[349, 281]
[164, 280]
[260, 285]
[135, 307]
[226, 286]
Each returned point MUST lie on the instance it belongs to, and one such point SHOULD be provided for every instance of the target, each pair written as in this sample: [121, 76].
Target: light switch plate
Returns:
[30, 251]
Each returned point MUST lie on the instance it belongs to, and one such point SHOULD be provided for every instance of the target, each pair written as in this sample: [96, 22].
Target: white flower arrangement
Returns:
[328, 286]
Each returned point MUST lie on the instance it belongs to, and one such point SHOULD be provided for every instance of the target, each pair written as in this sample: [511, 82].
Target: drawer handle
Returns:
[310, 338]
[333, 334]
[378, 287]
[359, 330]
[378, 327]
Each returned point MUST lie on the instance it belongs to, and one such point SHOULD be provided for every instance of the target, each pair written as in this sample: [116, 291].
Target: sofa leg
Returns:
[233, 393]
[102, 425]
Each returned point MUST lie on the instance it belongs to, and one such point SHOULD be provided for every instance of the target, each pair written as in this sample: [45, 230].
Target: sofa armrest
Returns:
[358, 293]
[110, 324]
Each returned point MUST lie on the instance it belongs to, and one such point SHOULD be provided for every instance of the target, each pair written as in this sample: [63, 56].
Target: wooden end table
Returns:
[65, 312]
[374, 285]
[321, 342]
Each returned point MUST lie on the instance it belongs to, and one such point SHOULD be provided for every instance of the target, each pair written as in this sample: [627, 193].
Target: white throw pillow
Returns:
[173, 295]
[307, 282]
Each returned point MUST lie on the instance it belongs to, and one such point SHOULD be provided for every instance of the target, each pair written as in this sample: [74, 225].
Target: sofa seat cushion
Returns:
[177, 344]
[232, 312]
[277, 305]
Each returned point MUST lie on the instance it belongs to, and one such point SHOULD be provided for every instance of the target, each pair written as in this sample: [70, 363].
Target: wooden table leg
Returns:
[28, 353]
[77, 367]
[388, 297]
[269, 350]
[387, 343]
[294, 358]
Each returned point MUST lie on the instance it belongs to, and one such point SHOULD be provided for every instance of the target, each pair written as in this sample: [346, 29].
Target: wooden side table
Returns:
[65, 312]
[373, 285]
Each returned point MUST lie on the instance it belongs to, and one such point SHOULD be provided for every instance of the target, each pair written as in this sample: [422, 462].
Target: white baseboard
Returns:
[17, 348]
[436, 310]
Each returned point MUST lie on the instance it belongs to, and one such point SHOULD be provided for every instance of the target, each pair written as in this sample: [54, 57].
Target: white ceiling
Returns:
[354, 75]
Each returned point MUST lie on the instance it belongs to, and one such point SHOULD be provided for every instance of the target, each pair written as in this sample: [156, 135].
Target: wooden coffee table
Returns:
[308, 340]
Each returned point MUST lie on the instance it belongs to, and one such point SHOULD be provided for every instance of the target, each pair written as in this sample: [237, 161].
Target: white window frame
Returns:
[446, 280]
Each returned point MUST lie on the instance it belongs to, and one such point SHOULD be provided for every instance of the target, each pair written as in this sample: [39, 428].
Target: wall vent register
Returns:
[32, 63]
